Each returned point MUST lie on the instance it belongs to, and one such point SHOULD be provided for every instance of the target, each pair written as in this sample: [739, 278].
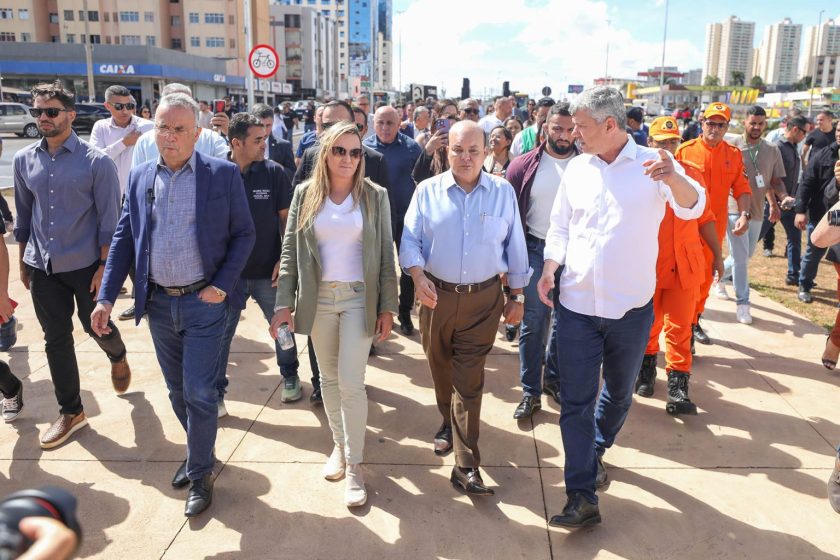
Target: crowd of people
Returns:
[528, 216]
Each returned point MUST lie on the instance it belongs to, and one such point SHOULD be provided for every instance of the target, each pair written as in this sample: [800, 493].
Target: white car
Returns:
[15, 117]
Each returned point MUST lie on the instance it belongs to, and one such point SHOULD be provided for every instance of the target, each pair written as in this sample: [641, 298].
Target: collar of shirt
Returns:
[190, 163]
[132, 121]
[629, 152]
[70, 144]
[447, 181]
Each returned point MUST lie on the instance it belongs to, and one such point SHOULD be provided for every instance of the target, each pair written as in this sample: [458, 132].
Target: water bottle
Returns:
[285, 337]
[8, 334]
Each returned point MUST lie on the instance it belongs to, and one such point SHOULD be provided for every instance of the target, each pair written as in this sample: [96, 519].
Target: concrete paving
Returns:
[743, 479]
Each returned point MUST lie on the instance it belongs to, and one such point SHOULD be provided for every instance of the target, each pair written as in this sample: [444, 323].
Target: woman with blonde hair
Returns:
[337, 276]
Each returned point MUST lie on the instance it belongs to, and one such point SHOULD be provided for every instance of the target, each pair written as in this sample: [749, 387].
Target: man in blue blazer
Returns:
[187, 229]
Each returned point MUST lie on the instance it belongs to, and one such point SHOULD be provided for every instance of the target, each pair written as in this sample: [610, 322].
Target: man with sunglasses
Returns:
[468, 110]
[723, 173]
[67, 196]
[118, 135]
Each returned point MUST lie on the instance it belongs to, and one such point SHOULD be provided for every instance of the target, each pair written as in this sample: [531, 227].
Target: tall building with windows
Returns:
[820, 41]
[778, 56]
[729, 48]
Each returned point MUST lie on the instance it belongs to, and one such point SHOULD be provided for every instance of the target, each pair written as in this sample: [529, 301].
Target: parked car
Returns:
[15, 117]
[87, 114]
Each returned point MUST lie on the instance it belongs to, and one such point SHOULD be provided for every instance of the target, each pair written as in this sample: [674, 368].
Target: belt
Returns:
[177, 291]
[530, 237]
[463, 288]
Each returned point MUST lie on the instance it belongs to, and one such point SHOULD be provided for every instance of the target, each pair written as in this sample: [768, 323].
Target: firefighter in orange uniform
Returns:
[681, 269]
[724, 175]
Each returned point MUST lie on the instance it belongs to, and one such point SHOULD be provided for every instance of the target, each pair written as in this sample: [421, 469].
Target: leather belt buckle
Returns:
[468, 290]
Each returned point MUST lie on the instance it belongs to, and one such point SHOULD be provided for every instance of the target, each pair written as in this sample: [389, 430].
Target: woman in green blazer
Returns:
[338, 277]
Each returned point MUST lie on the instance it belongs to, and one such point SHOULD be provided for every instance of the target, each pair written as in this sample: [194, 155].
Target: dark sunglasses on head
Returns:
[52, 112]
[470, 111]
[121, 106]
[339, 151]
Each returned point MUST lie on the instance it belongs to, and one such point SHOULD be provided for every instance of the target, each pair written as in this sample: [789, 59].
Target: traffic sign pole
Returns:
[263, 62]
[249, 79]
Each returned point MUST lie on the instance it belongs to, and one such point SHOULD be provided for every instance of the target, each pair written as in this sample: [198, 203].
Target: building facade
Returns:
[778, 56]
[820, 40]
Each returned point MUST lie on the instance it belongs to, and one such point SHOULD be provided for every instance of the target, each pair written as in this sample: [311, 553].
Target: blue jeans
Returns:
[187, 334]
[793, 248]
[741, 248]
[532, 336]
[587, 343]
[264, 295]
[810, 260]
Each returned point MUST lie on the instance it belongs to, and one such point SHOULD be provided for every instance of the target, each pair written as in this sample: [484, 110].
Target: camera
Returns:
[48, 501]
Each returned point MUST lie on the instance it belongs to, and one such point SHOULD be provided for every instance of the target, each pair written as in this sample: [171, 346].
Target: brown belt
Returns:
[177, 291]
[463, 288]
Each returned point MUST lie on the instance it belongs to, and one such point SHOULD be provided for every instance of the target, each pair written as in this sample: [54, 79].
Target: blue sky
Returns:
[533, 43]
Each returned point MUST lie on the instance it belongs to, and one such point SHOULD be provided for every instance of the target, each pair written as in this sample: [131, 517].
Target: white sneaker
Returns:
[222, 409]
[719, 290]
[335, 465]
[355, 494]
[743, 314]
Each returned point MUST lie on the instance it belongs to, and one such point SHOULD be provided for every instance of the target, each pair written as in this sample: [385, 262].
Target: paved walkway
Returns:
[743, 479]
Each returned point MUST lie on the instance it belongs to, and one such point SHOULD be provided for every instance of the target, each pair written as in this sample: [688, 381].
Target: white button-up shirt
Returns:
[108, 137]
[605, 230]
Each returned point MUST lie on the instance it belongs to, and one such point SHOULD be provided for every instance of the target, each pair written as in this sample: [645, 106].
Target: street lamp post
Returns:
[814, 66]
[399, 15]
[249, 44]
[662, 67]
[607, 56]
[89, 55]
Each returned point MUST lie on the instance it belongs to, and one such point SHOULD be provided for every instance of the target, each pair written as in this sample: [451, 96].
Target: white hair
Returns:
[179, 100]
[175, 87]
[601, 102]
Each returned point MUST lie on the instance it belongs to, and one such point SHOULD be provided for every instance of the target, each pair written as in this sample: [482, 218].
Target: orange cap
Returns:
[664, 128]
[717, 109]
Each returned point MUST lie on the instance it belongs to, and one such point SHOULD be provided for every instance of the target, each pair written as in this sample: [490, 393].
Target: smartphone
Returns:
[443, 125]
[218, 105]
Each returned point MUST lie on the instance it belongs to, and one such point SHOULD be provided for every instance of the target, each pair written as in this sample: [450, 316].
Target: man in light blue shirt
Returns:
[462, 231]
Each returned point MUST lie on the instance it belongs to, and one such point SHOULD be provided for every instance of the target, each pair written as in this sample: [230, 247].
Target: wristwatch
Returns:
[219, 292]
[747, 214]
[518, 298]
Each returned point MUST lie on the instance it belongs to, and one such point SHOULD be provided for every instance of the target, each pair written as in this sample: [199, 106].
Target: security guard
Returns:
[724, 174]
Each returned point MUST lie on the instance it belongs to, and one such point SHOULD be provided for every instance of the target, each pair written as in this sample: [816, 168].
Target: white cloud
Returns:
[553, 44]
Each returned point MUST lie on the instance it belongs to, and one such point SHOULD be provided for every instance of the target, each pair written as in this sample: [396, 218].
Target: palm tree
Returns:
[711, 81]
[756, 82]
[737, 78]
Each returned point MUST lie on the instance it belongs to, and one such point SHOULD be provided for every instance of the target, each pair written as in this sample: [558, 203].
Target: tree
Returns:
[737, 78]
[756, 82]
[803, 84]
[711, 81]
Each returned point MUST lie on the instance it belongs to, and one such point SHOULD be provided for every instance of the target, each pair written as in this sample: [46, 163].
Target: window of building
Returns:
[232, 43]
[213, 17]
[71, 38]
[106, 16]
[311, 2]
[292, 20]
[175, 21]
[130, 39]
[81, 15]
[195, 42]
[193, 17]
[148, 17]
[26, 37]
[116, 40]
[341, 34]
[231, 20]
[129, 16]
[53, 17]
[7, 37]
[107, 39]
[151, 40]
[339, 13]
[7, 13]
[69, 15]
[95, 40]
[55, 39]
[176, 43]
[93, 15]
[212, 42]
[23, 13]
[326, 13]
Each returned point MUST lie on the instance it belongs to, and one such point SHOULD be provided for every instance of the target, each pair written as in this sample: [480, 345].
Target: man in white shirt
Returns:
[604, 230]
[116, 136]
[205, 115]
[501, 112]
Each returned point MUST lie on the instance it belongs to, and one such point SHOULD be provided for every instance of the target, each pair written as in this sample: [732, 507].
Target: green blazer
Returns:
[300, 262]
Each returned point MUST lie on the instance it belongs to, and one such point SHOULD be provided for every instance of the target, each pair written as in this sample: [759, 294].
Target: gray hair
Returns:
[179, 100]
[175, 87]
[117, 91]
[602, 102]
[464, 103]
[420, 110]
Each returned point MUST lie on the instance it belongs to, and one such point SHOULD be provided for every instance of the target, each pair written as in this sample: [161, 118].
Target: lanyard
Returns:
[754, 156]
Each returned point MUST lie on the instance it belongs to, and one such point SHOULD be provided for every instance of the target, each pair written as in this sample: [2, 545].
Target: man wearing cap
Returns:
[679, 275]
[636, 126]
[526, 140]
[723, 171]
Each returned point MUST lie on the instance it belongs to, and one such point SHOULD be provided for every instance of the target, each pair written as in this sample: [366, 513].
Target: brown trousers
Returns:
[457, 336]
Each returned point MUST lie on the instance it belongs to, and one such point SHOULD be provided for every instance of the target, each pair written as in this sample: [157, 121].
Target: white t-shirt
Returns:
[543, 190]
[490, 122]
[338, 230]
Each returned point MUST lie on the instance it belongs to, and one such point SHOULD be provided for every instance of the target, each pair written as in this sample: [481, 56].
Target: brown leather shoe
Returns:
[62, 429]
[121, 376]
[443, 440]
[470, 481]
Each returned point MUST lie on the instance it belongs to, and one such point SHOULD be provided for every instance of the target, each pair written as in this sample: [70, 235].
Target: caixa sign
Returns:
[116, 69]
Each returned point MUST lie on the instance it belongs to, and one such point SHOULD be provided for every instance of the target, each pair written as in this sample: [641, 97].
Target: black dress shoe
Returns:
[510, 332]
[577, 513]
[315, 398]
[553, 391]
[470, 481]
[602, 481]
[527, 407]
[699, 334]
[406, 325]
[200, 496]
[443, 440]
[180, 479]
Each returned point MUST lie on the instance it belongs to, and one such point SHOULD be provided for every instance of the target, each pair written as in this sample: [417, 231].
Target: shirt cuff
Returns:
[411, 261]
[279, 307]
[519, 280]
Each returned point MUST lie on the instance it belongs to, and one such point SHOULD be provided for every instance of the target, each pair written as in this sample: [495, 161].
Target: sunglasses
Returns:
[340, 152]
[470, 111]
[121, 106]
[52, 112]
[712, 124]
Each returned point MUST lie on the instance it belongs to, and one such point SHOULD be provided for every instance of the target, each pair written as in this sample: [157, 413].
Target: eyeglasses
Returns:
[52, 112]
[470, 111]
[121, 106]
[177, 131]
[340, 152]
[713, 124]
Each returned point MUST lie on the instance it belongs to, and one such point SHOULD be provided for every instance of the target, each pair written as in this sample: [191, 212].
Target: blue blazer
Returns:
[225, 230]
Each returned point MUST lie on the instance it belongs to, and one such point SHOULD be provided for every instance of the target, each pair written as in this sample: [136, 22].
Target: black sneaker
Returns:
[315, 398]
[12, 406]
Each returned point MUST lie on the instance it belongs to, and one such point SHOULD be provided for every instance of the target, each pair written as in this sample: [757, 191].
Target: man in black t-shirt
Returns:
[821, 136]
[269, 196]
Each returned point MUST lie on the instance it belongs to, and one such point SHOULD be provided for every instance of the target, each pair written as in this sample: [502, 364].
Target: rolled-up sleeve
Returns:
[411, 243]
[516, 251]
[106, 197]
[684, 213]
[557, 238]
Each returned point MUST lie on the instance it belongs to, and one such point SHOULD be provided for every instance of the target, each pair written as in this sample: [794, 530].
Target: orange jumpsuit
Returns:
[724, 174]
[680, 271]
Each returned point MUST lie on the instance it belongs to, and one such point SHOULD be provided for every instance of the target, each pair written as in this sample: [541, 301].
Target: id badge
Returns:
[759, 181]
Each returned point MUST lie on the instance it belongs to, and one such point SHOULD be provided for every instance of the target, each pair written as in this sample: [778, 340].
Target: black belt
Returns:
[177, 291]
[530, 237]
[463, 288]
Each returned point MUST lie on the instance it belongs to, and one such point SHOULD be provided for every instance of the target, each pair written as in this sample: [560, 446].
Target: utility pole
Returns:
[249, 44]
[814, 66]
[399, 15]
[607, 56]
[662, 68]
[88, 55]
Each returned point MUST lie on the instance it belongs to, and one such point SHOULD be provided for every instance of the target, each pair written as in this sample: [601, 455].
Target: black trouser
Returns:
[53, 296]
[313, 363]
[406, 282]
[9, 384]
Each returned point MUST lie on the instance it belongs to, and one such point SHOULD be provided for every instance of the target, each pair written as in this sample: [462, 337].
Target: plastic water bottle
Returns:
[285, 337]
[8, 334]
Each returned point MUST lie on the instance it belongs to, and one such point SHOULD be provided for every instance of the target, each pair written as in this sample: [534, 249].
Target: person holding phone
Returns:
[337, 276]
[434, 158]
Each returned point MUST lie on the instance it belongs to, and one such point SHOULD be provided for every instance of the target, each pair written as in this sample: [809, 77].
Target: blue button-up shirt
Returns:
[465, 238]
[400, 157]
[67, 204]
[306, 141]
[175, 259]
